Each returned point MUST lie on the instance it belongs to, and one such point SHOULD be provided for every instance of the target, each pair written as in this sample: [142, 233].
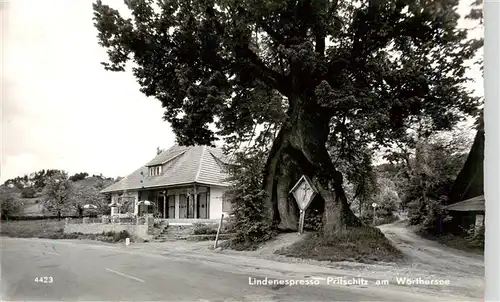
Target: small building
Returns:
[469, 212]
[181, 184]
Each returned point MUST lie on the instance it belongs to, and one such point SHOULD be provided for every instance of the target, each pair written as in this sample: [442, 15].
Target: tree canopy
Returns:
[57, 193]
[310, 73]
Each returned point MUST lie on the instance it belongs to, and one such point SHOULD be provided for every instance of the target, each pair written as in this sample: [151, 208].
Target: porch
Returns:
[176, 205]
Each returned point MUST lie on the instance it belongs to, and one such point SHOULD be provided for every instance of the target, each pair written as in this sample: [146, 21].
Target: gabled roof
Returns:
[472, 204]
[181, 165]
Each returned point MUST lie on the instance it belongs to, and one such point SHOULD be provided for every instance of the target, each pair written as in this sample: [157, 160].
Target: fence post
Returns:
[218, 231]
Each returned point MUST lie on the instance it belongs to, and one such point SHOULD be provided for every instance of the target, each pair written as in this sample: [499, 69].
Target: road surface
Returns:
[92, 272]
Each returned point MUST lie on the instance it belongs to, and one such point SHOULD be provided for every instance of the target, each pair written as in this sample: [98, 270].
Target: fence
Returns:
[104, 219]
[47, 217]
[85, 220]
[141, 227]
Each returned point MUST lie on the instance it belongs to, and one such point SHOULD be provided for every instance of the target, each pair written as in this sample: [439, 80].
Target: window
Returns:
[154, 171]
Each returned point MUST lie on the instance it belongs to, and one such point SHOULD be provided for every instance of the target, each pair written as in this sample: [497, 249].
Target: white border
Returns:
[491, 152]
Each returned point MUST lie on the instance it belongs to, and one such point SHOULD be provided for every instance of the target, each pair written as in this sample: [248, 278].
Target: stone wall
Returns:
[140, 231]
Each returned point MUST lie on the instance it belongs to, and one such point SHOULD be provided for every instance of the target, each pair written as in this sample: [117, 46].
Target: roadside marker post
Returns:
[218, 231]
[303, 192]
[127, 241]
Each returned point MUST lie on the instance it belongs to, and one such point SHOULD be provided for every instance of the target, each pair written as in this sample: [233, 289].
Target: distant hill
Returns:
[33, 206]
[94, 181]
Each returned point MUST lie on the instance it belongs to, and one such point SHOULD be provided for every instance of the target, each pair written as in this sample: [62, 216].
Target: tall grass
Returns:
[46, 228]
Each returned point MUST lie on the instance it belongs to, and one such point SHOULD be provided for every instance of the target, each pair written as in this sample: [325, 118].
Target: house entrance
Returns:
[183, 206]
[160, 205]
[202, 206]
[190, 206]
[171, 206]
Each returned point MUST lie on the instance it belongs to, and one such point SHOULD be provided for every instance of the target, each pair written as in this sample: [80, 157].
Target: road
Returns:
[90, 272]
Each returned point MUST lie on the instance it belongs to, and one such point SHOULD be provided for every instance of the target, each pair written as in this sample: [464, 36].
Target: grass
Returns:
[53, 229]
[366, 245]
[468, 244]
[46, 228]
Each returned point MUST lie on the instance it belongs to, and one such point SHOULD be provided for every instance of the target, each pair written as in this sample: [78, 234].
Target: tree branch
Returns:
[277, 80]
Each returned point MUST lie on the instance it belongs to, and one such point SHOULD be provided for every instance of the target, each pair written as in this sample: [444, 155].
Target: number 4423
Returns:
[44, 280]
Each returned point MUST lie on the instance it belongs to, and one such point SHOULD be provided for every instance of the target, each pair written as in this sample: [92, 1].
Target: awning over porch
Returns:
[177, 203]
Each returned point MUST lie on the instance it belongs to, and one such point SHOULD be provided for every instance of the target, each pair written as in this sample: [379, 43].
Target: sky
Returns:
[61, 109]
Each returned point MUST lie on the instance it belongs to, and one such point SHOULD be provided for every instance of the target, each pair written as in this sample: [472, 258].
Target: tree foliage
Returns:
[79, 176]
[28, 192]
[424, 176]
[310, 72]
[57, 194]
[9, 206]
[246, 196]
[35, 179]
[89, 193]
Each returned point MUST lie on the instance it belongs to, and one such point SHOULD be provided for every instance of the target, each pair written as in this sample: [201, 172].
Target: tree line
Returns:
[56, 192]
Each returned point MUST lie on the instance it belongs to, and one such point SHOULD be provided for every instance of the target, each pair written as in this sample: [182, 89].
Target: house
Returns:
[182, 183]
[469, 212]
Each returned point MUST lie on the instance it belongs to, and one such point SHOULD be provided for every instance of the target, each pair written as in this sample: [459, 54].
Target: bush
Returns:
[204, 230]
[431, 220]
[8, 204]
[115, 237]
[246, 196]
[121, 236]
[158, 222]
[28, 192]
[313, 220]
[476, 239]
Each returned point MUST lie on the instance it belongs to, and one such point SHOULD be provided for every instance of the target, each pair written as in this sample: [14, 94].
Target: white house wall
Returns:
[216, 202]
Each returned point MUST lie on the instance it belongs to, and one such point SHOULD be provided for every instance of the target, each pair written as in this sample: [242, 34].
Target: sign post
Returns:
[374, 205]
[303, 192]
[218, 231]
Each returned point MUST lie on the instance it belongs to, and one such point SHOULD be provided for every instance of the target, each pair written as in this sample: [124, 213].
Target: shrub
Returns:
[121, 236]
[433, 212]
[158, 223]
[246, 196]
[28, 192]
[204, 230]
[476, 239]
[8, 204]
[115, 237]
[313, 220]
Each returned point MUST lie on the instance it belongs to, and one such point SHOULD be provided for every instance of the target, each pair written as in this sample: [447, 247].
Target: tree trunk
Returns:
[271, 175]
[287, 207]
[58, 215]
[306, 136]
[360, 207]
